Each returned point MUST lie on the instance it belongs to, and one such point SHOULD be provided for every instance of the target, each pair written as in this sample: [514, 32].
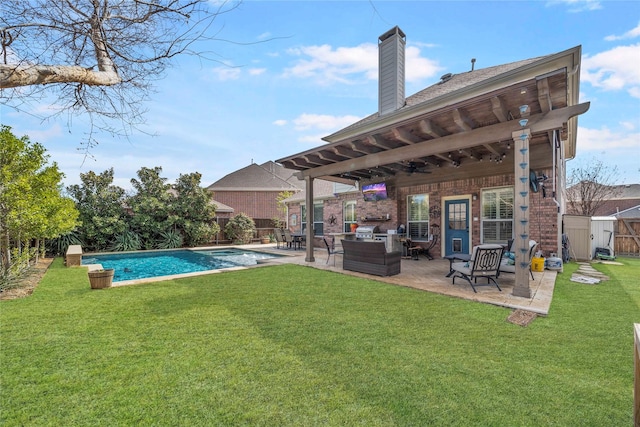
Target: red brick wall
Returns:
[255, 204]
[543, 214]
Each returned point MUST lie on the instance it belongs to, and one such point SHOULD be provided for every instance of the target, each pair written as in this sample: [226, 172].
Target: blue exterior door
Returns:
[456, 226]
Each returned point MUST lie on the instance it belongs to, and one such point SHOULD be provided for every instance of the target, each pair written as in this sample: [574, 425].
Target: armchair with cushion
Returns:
[484, 263]
[507, 265]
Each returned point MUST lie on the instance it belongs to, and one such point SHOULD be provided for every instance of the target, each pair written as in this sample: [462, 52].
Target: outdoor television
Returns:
[373, 192]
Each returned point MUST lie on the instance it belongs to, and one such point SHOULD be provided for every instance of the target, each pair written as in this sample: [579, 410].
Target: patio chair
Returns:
[413, 249]
[289, 240]
[484, 263]
[331, 249]
[277, 232]
[507, 267]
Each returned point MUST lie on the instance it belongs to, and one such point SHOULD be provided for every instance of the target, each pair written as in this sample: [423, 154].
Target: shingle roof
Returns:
[322, 189]
[221, 207]
[269, 176]
[631, 213]
[454, 83]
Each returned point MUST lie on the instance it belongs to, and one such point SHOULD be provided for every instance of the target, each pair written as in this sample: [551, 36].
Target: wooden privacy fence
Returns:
[636, 382]
[627, 237]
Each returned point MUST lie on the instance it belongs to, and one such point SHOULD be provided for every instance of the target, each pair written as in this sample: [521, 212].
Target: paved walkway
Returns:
[430, 276]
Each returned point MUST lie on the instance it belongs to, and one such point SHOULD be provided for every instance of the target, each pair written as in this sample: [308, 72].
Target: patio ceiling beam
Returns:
[379, 141]
[499, 109]
[544, 96]
[554, 119]
[491, 149]
[544, 99]
[463, 120]
[329, 156]
[427, 127]
[404, 136]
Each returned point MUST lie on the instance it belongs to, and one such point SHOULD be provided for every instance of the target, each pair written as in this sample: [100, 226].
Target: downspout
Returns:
[556, 148]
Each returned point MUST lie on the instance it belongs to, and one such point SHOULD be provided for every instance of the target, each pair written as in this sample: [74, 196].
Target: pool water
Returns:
[142, 265]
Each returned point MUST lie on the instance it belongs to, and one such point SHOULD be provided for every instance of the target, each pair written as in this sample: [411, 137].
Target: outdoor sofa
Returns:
[370, 257]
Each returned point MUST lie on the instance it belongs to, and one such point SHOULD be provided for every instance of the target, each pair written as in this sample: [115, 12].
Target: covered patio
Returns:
[430, 276]
[509, 125]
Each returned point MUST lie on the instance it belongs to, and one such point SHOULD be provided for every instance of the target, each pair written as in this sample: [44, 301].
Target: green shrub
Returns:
[126, 241]
[170, 239]
[240, 229]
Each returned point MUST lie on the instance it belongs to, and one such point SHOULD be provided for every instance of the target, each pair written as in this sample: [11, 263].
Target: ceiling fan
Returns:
[412, 168]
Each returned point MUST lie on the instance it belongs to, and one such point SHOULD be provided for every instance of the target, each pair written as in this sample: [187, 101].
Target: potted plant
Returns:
[265, 239]
[100, 279]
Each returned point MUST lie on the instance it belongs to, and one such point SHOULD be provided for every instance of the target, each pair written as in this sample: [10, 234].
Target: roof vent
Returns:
[445, 78]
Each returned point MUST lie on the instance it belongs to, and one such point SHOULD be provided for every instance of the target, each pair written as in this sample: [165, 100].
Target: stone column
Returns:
[309, 231]
[521, 209]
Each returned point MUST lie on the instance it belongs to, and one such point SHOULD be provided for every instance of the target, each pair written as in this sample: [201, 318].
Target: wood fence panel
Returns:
[636, 382]
[627, 237]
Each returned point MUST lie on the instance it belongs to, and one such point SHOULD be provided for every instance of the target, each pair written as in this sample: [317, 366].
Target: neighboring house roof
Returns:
[619, 197]
[221, 207]
[631, 213]
[269, 176]
[628, 191]
[322, 189]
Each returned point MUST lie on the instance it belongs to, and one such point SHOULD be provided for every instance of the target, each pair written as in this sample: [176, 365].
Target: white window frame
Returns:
[499, 223]
[418, 229]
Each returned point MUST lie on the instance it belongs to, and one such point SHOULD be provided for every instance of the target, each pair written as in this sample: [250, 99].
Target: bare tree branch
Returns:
[97, 57]
[590, 185]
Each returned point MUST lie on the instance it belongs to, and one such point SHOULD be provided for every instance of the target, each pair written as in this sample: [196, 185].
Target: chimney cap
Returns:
[391, 32]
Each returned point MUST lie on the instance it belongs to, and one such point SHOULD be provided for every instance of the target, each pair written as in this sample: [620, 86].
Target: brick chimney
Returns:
[391, 71]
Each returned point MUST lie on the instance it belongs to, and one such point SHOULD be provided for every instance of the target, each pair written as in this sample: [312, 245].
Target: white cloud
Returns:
[631, 34]
[280, 122]
[350, 64]
[576, 6]
[44, 135]
[323, 122]
[614, 69]
[226, 73]
[628, 125]
[256, 71]
[604, 139]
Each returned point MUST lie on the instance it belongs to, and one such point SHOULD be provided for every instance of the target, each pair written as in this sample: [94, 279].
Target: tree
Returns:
[97, 57]
[194, 211]
[102, 208]
[590, 185]
[240, 228]
[31, 204]
[151, 206]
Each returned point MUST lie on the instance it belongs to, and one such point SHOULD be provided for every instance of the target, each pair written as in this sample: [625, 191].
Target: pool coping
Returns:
[254, 248]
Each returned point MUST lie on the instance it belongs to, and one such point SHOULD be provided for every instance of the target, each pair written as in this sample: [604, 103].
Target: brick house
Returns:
[623, 197]
[462, 159]
[253, 190]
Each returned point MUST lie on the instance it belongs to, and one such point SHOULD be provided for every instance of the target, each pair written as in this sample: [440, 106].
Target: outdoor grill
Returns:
[366, 231]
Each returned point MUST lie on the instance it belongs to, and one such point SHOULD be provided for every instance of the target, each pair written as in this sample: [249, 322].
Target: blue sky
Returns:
[301, 70]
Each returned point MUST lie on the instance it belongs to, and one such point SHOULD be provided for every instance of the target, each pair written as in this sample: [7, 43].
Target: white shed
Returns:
[588, 233]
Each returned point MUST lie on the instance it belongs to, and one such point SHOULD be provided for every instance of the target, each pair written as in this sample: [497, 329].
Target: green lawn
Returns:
[295, 346]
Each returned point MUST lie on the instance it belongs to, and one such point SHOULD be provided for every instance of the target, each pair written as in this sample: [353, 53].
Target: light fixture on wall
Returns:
[474, 196]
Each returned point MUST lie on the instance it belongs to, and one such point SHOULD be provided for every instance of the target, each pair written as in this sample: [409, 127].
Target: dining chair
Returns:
[331, 249]
[277, 232]
[288, 239]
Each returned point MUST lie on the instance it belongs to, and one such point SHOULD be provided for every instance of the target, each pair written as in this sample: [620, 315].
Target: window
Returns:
[349, 215]
[497, 215]
[418, 217]
[318, 219]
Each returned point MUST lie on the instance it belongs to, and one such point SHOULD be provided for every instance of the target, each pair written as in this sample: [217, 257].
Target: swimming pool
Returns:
[145, 264]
